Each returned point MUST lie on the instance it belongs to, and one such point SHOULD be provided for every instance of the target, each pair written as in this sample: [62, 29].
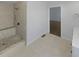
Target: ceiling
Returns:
[12, 2]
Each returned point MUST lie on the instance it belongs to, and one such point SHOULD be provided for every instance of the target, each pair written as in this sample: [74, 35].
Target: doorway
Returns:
[55, 20]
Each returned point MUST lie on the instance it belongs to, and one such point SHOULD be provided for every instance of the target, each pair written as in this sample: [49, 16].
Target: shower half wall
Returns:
[13, 15]
[12, 23]
[6, 19]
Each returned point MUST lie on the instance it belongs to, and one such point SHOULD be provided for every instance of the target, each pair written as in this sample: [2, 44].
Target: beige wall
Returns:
[6, 15]
[6, 20]
[7, 33]
[20, 14]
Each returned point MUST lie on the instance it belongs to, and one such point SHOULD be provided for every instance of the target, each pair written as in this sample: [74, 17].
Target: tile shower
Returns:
[12, 23]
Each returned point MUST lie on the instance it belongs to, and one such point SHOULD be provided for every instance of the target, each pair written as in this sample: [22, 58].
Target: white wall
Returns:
[68, 9]
[20, 16]
[6, 15]
[37, 20]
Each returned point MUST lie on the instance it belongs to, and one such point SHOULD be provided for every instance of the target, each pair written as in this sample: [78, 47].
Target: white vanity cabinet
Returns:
[75, 42]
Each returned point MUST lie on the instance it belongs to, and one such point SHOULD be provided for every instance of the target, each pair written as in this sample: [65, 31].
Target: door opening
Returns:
[55, 21]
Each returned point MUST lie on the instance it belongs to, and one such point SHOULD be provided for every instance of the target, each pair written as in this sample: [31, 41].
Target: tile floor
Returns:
[5, 43]
[49, 46]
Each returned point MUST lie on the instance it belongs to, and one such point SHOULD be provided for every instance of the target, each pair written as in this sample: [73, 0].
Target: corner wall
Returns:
[37, 20]
[20, 16]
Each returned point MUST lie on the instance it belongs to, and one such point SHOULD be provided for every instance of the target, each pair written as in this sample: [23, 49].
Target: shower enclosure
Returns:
[12, 23]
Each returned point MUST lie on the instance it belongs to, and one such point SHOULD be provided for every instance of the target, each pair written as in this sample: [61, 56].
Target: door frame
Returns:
[60, 19]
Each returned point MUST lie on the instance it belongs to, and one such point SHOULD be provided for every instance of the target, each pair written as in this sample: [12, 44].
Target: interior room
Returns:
[39, 28]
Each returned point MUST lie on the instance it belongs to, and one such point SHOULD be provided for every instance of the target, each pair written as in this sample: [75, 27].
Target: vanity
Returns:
[75, 42]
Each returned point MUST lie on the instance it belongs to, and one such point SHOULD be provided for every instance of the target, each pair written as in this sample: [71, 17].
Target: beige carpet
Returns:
[49, 46]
